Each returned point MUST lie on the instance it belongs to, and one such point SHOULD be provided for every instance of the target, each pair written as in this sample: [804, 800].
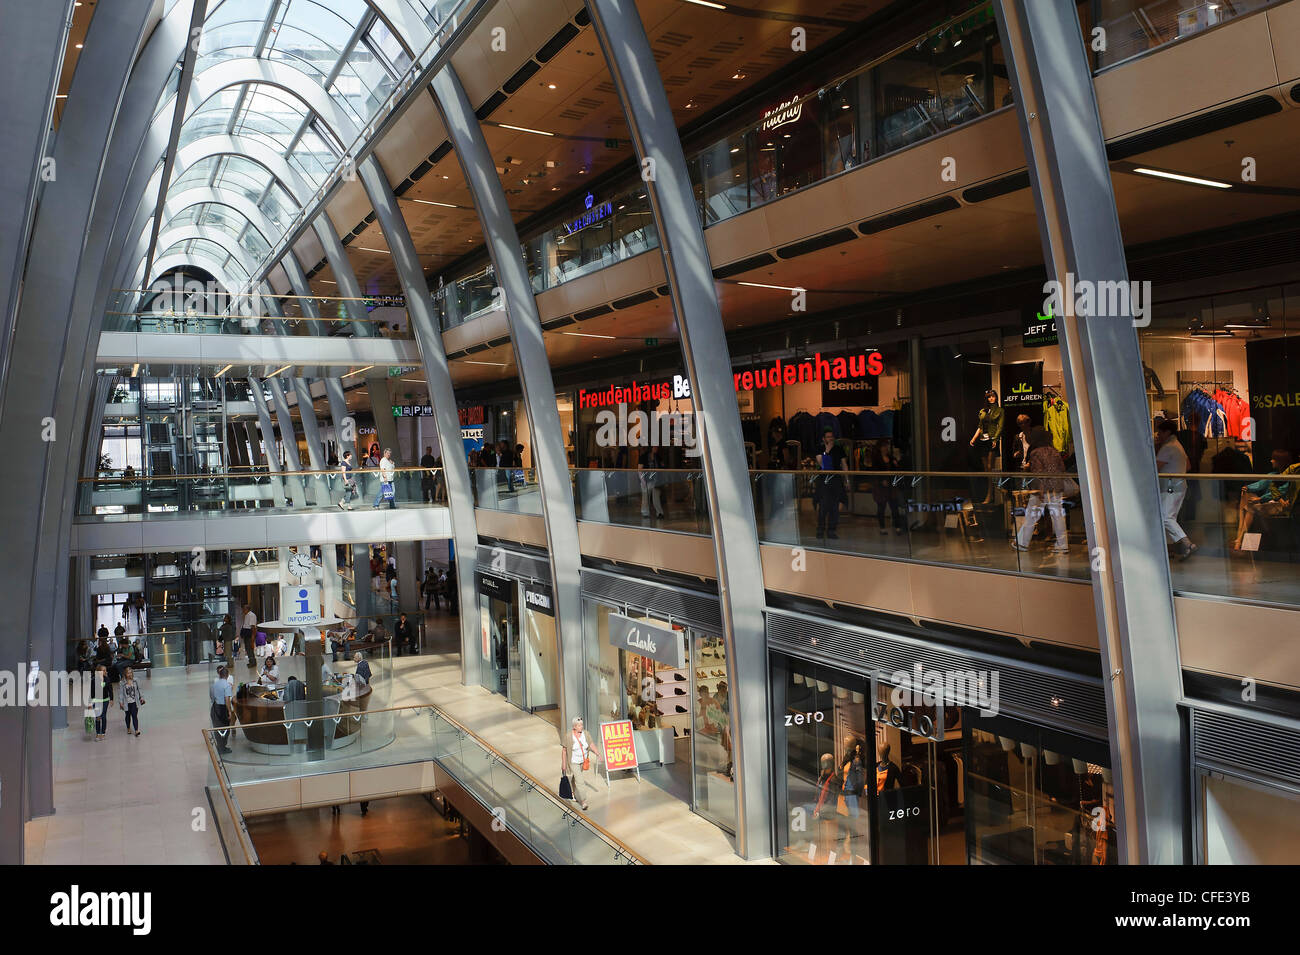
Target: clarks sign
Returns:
[647, 639]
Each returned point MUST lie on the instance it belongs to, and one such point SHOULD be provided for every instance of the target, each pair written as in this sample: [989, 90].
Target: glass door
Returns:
[514, 656]
[713, 769]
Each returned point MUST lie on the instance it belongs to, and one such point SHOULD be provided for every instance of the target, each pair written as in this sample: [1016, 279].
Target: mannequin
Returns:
[988, 435]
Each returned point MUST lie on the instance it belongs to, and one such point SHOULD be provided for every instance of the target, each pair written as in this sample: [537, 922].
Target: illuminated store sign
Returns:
[840, 369]
[595, 213]
[782, 113]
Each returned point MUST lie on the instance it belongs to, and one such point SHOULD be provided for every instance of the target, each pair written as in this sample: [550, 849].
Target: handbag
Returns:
[386, 489]
[565, 790]
[586, 763]
[1070, 488]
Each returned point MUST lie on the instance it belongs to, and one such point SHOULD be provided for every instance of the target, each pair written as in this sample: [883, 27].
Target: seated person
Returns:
[270, 671]
[294, 690]
[1268, 498]
[326, 674]
[378, 633]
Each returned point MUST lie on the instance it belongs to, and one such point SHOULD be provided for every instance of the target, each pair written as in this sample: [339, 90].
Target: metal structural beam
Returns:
[635, 75]
[48, 351]
[1079, 226]
[563, 551]
[31, 58]
[424, 323]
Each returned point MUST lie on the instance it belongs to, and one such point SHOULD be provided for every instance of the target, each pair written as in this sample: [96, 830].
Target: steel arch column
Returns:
[31, 58]
[45, 380]
[1079, 226]
[460, 496]
[298, 282]
[563, 550]
[268, 439]
[297, 490]
[633, 70]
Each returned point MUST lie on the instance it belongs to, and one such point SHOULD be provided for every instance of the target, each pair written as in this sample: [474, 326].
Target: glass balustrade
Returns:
[216, 313]
[529, 807]
[1132, 27]
[1247, 533]
[507, 489]
[663, 499]
[123, 495]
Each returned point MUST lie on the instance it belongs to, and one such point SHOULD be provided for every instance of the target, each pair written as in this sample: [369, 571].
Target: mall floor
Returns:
[404, 830]
[143, 800]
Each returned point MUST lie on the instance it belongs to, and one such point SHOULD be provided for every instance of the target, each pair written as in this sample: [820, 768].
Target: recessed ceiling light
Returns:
[550, 86]
[735, 149]
[79, 46]
[525, 129]
[737, 76]
[1194, 180]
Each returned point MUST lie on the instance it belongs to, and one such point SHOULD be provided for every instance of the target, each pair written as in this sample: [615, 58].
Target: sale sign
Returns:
[620, 751]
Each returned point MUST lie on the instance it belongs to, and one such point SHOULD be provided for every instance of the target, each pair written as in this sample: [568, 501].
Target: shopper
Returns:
[221, 695]
[885, 492]
[350, 492]
[830, 486]
[102, 632]
[226, 638]
[1048, 493]
[405, 635]
[387, 474]
[363, 667]
[1172, 459]
[426, 476]
[270, 671]
[579, 759]
[430, 588]
[248, 634]
[1267, 498]
[130, 700]
[101, 695]
[1020, 451]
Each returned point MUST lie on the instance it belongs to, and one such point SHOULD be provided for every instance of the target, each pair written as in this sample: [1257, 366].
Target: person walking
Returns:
[225, 639]
[430, 588]
[248, 634]
[350, 492]
[429, 463]
[101, 695]
[132, 698]
[1172, 459]
[1048, 493]
[579, 760]
[387, 473]
[221, 694]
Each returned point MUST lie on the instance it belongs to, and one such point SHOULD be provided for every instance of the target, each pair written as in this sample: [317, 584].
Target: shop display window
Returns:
[1037, 797]
[1226, 370]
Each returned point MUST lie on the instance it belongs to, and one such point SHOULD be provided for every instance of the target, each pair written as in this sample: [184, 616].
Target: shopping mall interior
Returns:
[535, 432]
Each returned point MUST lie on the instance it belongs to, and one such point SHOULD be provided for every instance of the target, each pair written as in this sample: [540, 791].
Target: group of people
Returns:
[387, 468]
[112, 679]
[439, 586]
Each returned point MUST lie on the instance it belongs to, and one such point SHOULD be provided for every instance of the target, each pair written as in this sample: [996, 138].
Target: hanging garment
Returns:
[1235, 409]
[827, 420]
[1204, 415]
[848, 425]
[1056, 419]
[803, 428]
[869, 425]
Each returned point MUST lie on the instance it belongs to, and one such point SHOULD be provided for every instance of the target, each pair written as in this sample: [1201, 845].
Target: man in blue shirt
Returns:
[221, 696]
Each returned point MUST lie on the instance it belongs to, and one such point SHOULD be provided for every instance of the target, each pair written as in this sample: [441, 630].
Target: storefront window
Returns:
[1225, 370]
[499, 632]
[673, 688]
[1037, 797]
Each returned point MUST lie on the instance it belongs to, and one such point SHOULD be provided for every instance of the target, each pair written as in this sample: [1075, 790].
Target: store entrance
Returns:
[674, 688]
[502, 670]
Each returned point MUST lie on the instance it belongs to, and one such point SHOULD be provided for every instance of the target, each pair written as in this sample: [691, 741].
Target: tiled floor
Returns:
[139, 799]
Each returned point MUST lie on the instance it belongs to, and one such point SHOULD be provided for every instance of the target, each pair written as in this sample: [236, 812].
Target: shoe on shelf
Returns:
[681, 691]
[701, 674]
[679, 676]
[682, 709]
